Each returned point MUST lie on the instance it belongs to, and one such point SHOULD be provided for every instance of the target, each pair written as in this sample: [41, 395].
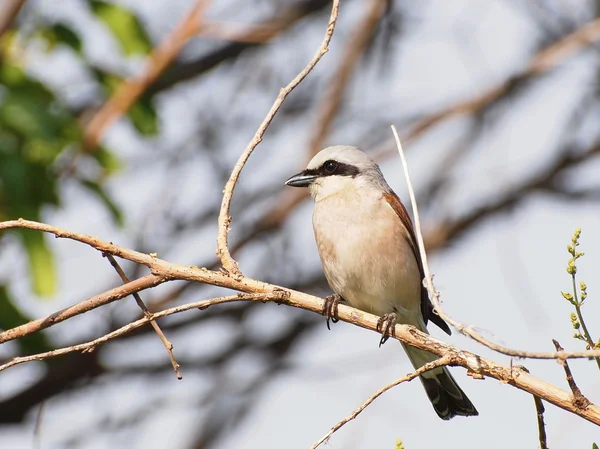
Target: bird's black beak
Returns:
[301, 179]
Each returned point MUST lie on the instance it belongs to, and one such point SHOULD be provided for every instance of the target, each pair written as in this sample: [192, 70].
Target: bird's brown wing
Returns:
[426, 306]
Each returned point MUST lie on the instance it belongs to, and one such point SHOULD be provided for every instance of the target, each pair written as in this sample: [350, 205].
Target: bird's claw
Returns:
[387, 326]
[330, 308]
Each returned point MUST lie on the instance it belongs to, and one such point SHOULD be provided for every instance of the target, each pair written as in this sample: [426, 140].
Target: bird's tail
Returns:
[445, 395]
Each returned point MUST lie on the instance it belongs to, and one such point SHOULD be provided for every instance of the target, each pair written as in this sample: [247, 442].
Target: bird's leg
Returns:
[387, 326]
[330, 308]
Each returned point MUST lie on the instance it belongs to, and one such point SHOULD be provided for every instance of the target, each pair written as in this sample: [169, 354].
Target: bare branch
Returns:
[224, 219]
[168, 345]
[8, 13]
[427, 367]
[150, 318]
[94, 302]
[539, 408]
[163, 271]
[579, 400]
[265, 31]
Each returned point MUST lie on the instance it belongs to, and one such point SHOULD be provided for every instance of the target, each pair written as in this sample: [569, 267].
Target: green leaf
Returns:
[41, 262]
[61, 34]
[11, 75]
[594, 446]
[114, 210]
[107, 160]
[67, 36]
[143, 116]
[125, 26]
[11, 316]
[27, 185]
[24, 113]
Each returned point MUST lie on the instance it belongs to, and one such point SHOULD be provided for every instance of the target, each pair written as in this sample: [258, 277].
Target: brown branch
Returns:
[246, 33]
[8, 13]
[130, 90]
[94, 302]
[163, 270]
[168, 345]
[539, 408]
[283, 20]
[332, 99]
[150, 318]
[224, 219]
[427, 367]
[579, 400]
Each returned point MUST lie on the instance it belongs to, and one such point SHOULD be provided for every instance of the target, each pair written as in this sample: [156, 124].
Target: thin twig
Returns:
[168, 345]
[445, 360]
[539, 408]
[79, 308]
[93, 344]
[579, 400]
[224, 220]
[434, 294]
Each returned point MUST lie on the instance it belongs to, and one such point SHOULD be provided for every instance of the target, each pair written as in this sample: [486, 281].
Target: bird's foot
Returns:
[330, 308]
[387, 326]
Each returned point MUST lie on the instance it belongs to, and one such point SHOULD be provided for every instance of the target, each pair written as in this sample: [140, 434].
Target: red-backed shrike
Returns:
[371, 259]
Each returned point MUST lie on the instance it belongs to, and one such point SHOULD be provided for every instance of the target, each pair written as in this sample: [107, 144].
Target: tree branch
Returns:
[8, 13]
[163, 271]
[149, 318]
[539, 408]
[183, 71]
[579, 400]
[224, 219]
[427, 367]
[168, 345]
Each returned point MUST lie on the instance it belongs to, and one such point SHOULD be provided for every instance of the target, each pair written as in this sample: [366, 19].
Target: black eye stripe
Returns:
[331, 168]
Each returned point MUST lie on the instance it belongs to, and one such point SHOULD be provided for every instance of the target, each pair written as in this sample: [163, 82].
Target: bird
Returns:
[368, 249]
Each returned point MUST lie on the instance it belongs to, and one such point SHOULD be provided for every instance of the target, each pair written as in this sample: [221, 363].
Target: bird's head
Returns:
[335, 169]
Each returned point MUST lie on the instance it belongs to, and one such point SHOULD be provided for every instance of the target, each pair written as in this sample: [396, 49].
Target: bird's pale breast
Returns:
[366, 255]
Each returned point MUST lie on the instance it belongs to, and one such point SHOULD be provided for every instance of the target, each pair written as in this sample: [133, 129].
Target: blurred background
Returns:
[498, 106]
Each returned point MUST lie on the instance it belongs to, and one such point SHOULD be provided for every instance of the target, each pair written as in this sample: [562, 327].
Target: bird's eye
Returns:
[330, 166]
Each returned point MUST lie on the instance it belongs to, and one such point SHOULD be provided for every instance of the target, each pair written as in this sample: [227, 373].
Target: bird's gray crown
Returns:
[341, 160]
